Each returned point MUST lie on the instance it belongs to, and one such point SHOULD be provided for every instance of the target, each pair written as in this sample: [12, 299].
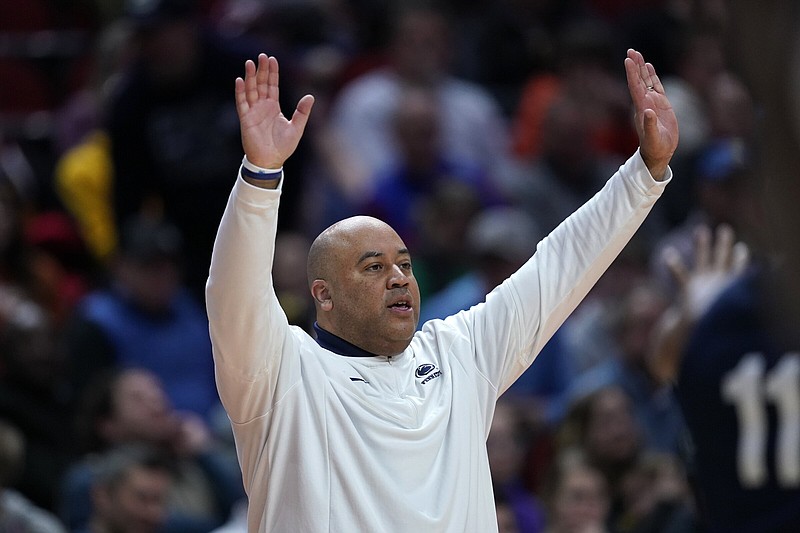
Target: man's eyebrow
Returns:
[367, 255]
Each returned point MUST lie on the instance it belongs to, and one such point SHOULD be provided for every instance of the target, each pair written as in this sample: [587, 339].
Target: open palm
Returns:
[268, 138]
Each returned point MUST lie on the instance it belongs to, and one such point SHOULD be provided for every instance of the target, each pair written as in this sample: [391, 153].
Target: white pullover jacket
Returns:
[331, 443]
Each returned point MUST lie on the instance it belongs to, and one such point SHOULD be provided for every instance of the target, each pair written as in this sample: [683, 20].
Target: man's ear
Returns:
[321, 294]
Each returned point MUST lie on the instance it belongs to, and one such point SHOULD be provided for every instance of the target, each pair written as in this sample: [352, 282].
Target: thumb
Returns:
[650, 124]
[302, 112]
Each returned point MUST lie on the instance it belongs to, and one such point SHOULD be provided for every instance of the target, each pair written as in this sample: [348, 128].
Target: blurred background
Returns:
[473, 127]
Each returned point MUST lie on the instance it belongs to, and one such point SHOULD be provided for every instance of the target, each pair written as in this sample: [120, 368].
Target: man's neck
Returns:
[338, 345]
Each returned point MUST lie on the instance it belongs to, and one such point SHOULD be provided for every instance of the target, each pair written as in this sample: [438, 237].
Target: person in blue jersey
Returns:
[371, 425]
[735, 362]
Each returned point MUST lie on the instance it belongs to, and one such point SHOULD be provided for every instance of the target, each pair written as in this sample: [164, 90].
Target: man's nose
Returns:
[398, 277]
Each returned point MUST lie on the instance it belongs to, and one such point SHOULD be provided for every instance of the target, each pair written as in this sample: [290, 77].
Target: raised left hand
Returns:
[655, 120]
[268, 137]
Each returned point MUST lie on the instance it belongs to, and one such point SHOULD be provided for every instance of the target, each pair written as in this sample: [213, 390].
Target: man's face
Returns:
[581, 501]
[142, 410]
[613, 434]
[138, 504]
[374, 297]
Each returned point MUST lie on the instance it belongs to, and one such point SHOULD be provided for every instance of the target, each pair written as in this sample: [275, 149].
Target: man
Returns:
[146, 317]
[419, 49]
[131, 491]
[122, 407]
[731, 349]
[374, 426]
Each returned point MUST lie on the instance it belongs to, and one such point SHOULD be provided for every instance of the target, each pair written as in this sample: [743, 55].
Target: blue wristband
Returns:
[249, 170]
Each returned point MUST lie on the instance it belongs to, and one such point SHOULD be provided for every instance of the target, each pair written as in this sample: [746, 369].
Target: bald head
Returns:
[327, 250]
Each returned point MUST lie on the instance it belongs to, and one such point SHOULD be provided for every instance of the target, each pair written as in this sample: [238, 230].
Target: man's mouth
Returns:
[401, 304]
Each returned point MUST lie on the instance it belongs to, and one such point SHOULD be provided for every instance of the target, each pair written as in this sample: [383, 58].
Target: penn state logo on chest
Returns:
[427, 372]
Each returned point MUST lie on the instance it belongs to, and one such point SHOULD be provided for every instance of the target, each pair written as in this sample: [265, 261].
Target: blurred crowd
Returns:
[473, 127]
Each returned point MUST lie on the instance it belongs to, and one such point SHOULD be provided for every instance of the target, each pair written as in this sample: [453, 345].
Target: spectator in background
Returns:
[700, 61]
[422, 165]
[130, 492]
[646, 489]
[585, 48]
[173, 128]
[41, 252]
[731, 349]
[732, 111]
[59, 266]
[656, 497]
[719, 168]
[146, 318]
[587, 334]
[721, 171]
[506, 446]
[473, 130]
[603, 428]
[17, 513]
[576, 496]
[732, 343]
[498, 240]
[567, 170]
[633, 326]
[442, 253]
[131, 407]
[34, 395]
[289, 278]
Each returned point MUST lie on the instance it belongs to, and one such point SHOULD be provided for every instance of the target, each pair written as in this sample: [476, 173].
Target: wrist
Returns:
[268, 178]
[254, 171]
[656, 167]
[265, 178]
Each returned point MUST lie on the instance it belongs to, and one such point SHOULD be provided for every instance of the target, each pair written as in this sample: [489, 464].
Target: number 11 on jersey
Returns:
[749, 387]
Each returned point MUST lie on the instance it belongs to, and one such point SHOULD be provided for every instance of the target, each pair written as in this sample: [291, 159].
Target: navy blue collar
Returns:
[338, 345]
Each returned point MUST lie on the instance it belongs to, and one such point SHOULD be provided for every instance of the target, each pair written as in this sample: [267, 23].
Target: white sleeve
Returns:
[524, 312]
[249, 330]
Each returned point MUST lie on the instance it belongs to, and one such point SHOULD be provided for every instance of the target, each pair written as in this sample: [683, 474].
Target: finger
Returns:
[262, 76]
[741, 257]
[702, 248]
[676, 266]
[636, 57]
[644, 73]
[655, 81]
[272, 82]
[650, 128]
[723, 248]
[251, 91]
[241, 98]
[632, 72]
[302, 112]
